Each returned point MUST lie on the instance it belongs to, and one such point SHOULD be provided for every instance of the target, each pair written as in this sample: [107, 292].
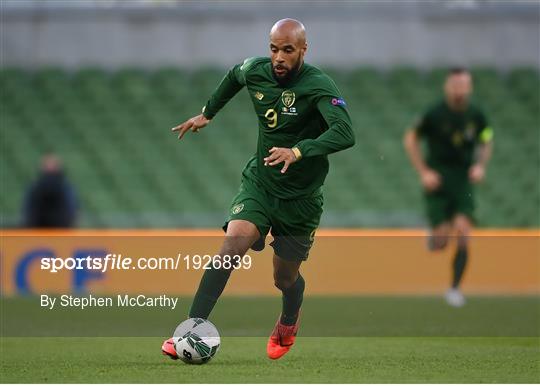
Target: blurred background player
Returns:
[50, 202]
[459, 145]
[302, 119]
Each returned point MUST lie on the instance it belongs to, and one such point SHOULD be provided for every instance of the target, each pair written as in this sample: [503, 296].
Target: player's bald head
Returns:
[287, 49]
[289, 29]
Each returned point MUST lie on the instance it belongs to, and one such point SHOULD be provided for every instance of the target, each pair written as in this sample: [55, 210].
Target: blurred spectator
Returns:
[50, 202]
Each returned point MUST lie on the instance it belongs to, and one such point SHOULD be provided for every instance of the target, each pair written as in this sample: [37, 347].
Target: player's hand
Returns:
[279, 155]
[431, 180]
[477, 173]
[194, 124]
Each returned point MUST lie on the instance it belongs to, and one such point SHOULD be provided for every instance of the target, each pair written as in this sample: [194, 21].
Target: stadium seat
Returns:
[112, 130]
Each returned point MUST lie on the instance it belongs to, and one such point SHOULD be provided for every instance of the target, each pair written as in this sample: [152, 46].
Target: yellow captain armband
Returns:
[297, 153]
[486, 135]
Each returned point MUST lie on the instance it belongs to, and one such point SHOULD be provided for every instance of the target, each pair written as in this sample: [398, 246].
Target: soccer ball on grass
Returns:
[196, 341]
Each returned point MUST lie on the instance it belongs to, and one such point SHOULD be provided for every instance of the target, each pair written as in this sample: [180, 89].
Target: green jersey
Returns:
[452, 136]
[308, 113]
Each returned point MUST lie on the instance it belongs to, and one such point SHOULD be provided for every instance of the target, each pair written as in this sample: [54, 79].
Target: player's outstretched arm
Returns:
[430, 179]
[229, 86]
[194, 124]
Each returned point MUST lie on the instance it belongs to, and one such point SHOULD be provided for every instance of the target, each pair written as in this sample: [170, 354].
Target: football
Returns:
[196, 341]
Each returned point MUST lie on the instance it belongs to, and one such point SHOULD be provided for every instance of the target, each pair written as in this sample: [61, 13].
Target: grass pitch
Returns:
[378, 340]
[242, 360]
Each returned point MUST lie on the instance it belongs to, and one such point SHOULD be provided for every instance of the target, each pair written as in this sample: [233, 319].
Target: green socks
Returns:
[212, 284]
[292, 301]
[460, 261]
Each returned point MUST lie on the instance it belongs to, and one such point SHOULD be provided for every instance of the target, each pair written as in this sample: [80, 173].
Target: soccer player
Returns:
[302, 118]
[459, 145]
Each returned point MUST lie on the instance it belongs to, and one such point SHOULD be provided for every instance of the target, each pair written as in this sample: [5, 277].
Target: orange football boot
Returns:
[168, 349]
[282, 339]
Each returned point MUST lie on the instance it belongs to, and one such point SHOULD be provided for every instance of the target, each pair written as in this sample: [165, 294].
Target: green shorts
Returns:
[292, 223]
[455, 196]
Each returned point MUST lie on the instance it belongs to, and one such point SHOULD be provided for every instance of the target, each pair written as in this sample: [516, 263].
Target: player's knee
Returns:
[438, 239]
[462, 238]
[438, 247]
[437, 242]
[234, 246]
[239, 238]
[283, 281]
[462, 241]
[463, 229]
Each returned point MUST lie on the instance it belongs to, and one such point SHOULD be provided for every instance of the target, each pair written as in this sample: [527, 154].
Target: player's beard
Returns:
[285, 79]
[459, 103]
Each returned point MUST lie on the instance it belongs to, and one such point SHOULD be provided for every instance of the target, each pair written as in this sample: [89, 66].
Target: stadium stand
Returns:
[112, 130]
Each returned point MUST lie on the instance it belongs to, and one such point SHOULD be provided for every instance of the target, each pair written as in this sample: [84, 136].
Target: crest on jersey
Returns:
[237, 208]
[457, 138]
[470, 131]
[288, 98]
[259, 95]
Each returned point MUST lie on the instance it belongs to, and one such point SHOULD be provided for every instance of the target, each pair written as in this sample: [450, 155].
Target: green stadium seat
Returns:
[112, 130]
